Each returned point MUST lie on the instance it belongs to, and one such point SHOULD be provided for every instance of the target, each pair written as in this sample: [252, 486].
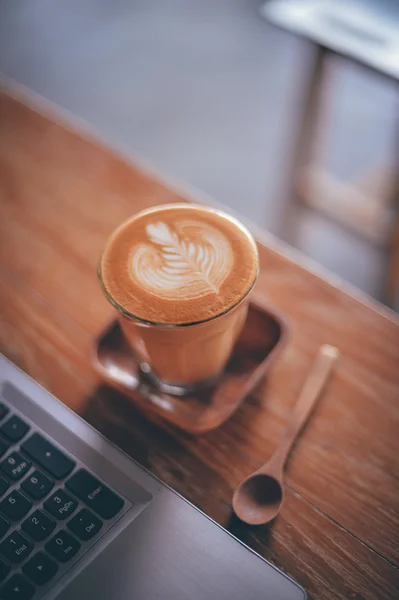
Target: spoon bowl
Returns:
[258, 499]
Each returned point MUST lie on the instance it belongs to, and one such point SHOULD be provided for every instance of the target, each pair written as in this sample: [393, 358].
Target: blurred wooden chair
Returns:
[366, 31]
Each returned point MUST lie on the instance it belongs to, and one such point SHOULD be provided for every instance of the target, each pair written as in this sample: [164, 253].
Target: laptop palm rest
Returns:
[171, 552]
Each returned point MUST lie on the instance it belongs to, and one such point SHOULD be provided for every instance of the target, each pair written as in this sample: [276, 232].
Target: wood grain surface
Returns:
[61, 194]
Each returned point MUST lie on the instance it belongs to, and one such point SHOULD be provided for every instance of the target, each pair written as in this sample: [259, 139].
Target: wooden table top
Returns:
[61, 194]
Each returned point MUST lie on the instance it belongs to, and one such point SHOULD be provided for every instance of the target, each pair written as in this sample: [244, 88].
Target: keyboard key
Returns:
[4, 569]
[4, 485]
[16, 547]
[40, 568]
[4, 526]
[3, 411]
[14, 429]
[17, 588]
[62, 546]
[95, 494]
[38, 526]
[60, 505]
[48, 456]
[15, 466]
[85, 525]
[37, 485]
[15, 505]
[3, 447]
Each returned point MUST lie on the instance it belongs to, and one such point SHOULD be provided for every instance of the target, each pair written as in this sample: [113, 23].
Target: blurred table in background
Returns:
[367, 32]
[61, 194]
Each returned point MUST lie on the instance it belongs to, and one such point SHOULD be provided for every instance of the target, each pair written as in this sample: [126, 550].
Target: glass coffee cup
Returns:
[180, 276]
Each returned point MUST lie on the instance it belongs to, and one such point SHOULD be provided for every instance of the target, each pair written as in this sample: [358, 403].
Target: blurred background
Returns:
[284, 111]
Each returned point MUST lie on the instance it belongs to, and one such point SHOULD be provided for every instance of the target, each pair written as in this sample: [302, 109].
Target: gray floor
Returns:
[209, 91]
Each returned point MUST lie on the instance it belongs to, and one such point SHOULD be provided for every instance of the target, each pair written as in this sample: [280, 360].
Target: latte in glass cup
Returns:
[180, 276]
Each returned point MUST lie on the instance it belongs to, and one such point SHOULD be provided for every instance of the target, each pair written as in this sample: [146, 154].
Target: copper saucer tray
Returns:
[261, 340]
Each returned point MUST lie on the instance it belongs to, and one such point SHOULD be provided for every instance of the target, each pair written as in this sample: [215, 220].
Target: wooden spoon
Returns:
[258, 499]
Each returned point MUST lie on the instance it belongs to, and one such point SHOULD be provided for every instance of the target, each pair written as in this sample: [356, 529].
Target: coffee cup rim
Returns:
[150, 323]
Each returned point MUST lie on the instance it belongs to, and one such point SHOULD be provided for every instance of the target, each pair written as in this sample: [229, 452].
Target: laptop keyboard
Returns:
[52, 509]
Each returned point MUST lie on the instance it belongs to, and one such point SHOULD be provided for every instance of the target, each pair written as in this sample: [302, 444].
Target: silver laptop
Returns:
[80, 519]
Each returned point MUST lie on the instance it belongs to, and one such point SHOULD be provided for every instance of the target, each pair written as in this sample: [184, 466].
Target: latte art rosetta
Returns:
[186, 261]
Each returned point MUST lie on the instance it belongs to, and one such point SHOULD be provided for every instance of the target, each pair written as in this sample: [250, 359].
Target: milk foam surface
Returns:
[179, 263]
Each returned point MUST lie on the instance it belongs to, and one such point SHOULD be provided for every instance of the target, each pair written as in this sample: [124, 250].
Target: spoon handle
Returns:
[310, 393]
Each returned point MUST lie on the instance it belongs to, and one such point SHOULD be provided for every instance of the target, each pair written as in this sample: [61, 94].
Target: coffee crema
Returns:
[179, 264]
